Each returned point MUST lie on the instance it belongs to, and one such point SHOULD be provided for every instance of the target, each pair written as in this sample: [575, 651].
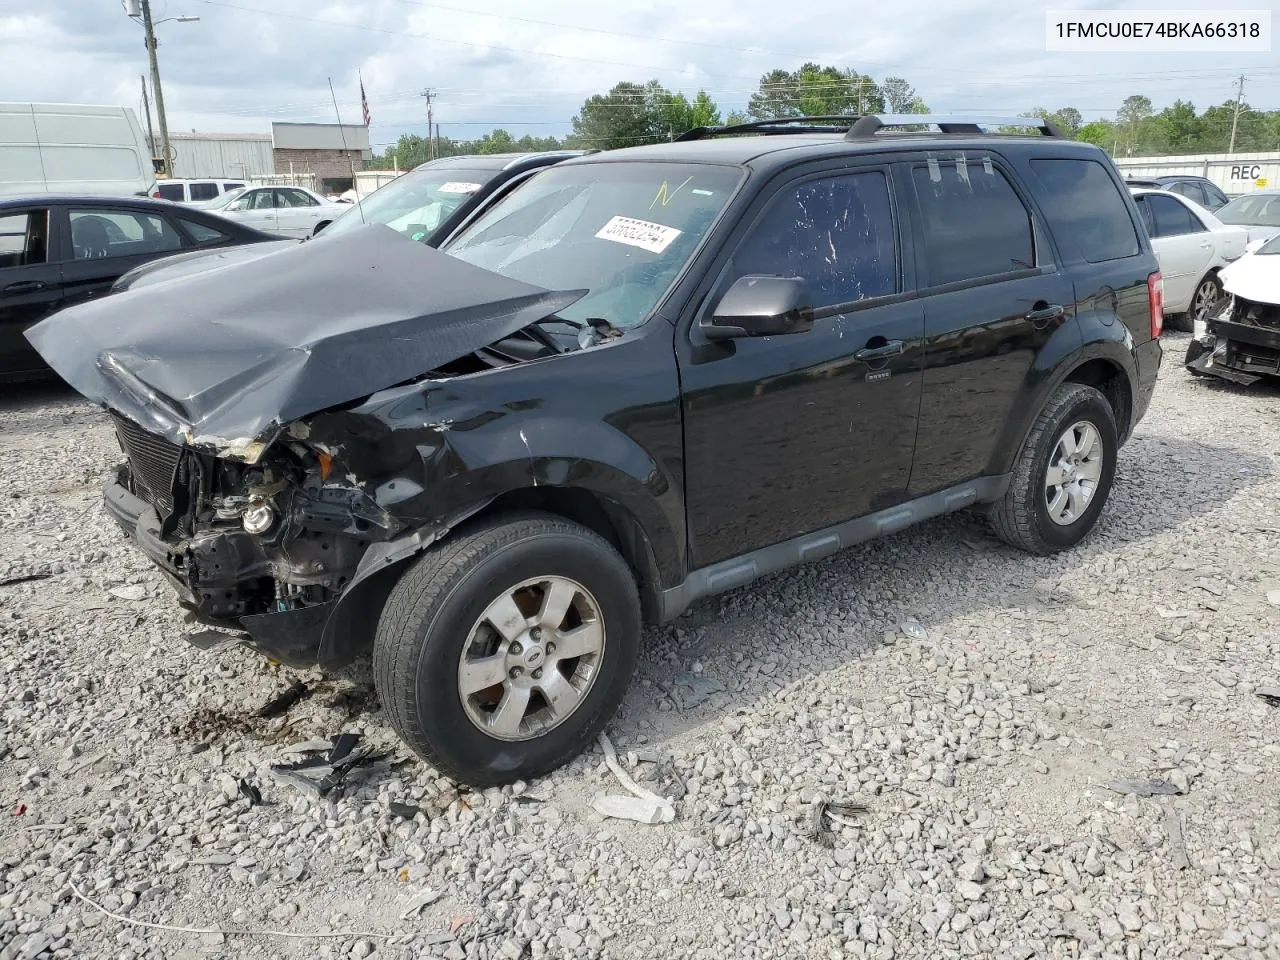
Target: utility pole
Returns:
[146, 107]
[1235, 117]
[165, 170]
[429, 94]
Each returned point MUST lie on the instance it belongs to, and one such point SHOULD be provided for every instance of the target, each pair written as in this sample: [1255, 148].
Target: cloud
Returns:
[248, 62]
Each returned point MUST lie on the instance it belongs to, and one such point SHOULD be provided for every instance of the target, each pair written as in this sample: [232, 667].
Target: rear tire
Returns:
[1063, 475]
[465, 655]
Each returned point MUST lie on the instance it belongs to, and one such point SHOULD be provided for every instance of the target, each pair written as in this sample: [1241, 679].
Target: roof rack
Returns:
[867, 127]
[775, 125]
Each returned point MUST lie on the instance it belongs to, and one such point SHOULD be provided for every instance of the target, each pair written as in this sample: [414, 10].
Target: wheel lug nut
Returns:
[535, 634]
[515, 672]
[515, 648]
[551, 648]
[537, 674]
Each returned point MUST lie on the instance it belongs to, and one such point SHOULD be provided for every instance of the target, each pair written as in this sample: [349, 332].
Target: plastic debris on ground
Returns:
[250, 792]
[23, 578]
[282, 702]
[319, 773]
[643, 806]
[912, 629]
[826, 812]
[1142, 788]
[1269, 695]
[129, 591]
[419, 902]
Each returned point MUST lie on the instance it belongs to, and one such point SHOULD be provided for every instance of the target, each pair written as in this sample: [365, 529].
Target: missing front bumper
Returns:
[292, 637]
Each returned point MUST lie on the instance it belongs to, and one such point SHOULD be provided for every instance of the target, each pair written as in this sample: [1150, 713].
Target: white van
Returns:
[195, 191]
[72, 148]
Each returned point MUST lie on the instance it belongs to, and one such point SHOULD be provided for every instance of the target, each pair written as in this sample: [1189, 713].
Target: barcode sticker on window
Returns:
[457, 186]
[934, 173]
[653, 237]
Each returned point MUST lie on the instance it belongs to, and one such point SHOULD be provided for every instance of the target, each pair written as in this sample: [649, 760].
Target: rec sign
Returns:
[1245, 171]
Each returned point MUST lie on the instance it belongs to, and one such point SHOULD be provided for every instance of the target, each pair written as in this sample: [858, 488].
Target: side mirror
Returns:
[760, 306]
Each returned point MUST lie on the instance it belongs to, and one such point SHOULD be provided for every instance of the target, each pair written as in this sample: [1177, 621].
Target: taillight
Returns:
[1155, 297]
[157, 195]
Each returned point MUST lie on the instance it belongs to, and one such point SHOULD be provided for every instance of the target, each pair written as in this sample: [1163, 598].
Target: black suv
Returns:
[645, 377]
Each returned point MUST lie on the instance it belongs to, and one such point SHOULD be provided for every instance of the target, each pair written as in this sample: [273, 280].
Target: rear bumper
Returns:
[291, 637]
[1147, 359]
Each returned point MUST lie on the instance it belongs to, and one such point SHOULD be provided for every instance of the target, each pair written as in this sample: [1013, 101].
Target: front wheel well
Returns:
[1111, 381]
[604, 517]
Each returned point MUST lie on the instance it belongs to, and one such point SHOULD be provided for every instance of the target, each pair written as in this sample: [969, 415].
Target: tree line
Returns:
[631, 114]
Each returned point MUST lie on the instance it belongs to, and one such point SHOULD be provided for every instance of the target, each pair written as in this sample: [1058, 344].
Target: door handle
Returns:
[25, 286]
[1047, 313]
[890, 349]
[1207, 245]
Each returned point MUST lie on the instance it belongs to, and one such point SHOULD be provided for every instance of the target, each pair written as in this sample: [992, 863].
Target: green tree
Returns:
[814, 91]
[900, 96]
[631, 114]
[1101, 133]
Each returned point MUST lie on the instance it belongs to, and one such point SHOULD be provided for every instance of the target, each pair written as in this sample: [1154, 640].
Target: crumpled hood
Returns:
[222, 360]
[1255, 277]
[197, 261]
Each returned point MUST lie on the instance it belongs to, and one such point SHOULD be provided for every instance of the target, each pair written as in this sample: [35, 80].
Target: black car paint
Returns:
[667, 442]
[65, 281]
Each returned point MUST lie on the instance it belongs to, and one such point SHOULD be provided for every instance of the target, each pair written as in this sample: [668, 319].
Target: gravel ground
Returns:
[975, 702]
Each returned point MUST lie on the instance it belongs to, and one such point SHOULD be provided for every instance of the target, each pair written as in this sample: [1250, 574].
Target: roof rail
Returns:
[824, 124]
[866, 127]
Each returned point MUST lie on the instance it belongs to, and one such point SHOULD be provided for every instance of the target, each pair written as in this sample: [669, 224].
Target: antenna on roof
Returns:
[343, 133]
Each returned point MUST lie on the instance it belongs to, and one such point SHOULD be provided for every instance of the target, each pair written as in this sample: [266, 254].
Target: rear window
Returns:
[171, 191]
[974, 224]
[204, 191]
[1082, 202]
[202, 233]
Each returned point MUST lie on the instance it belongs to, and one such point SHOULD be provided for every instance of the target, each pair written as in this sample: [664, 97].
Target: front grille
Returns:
[153, 461]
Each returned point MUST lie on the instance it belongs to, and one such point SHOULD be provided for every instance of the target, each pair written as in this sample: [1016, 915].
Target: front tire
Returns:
[1063, 475]
[502, 652]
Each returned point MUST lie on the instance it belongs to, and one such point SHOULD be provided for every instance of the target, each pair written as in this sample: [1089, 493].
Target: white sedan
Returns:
[288, 211]
[1192, 245]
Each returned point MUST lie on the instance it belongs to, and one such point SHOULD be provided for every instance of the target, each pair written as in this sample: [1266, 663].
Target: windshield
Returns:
[621, 231]
[414, 203]
[223, 200]
[1258, 210]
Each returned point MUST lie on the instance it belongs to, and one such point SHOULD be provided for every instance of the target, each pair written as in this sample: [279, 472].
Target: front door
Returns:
[786, 435]
[30, 287]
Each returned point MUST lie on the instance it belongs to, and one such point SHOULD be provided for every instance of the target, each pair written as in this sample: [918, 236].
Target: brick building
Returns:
[325, 150]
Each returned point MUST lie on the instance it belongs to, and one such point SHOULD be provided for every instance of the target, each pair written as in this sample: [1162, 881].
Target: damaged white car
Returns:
[1240, 342]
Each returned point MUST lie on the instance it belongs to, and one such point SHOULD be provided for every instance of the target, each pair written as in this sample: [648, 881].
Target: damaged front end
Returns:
[212, 383]
[265, 548]
[1240, 342]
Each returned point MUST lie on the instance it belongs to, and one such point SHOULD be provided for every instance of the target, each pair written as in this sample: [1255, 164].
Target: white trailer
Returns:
[1234, 173]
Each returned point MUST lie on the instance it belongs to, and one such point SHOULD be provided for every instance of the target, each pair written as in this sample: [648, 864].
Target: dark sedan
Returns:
[60, 250]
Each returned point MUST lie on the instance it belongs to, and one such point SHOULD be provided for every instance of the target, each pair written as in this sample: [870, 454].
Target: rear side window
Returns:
[1171, 218]
[1216, 196]
[974, 224]
[102, 234]
[1083, 203]
[204, 191]
[201, 233]
[171, 191]
[228, 187]
[836, 232]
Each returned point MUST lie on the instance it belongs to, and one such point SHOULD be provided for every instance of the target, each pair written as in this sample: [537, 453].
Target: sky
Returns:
[528, 67]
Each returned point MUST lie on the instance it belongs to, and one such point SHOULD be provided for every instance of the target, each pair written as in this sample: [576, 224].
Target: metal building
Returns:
[1233, 172]
[238, 155]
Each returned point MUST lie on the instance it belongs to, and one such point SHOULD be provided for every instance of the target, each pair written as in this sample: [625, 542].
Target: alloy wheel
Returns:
[1075, 467]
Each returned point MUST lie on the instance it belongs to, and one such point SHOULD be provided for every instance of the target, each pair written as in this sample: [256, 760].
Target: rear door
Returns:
[106, 242]
[298, 212]
[202, 190]
[1182, 244]
[993, 296]
[30, 286]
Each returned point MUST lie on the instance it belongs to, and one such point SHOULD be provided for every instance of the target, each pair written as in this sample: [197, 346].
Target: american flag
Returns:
[364, 104]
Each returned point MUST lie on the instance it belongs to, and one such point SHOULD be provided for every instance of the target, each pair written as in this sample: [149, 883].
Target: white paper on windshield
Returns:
[653, 237]
[457, 186]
